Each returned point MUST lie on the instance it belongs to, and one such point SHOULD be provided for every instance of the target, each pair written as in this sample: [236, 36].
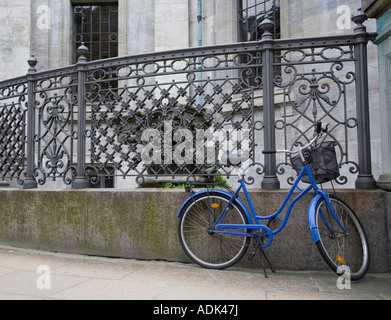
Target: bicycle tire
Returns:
[347, 254]
[208, 249]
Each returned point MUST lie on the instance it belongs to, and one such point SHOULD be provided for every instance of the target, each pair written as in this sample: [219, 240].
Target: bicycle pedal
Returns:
[251, 256]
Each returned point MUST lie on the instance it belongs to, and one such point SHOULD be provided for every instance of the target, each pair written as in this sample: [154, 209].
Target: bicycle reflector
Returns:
[215, 205]
[340, 259]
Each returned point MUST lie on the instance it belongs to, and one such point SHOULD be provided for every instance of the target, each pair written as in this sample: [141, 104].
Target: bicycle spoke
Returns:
[342, 248]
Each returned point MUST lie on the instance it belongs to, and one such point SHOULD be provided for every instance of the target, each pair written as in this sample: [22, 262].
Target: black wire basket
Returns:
[322, 160]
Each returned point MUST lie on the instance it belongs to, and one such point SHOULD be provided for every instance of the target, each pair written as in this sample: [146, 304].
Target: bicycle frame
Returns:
[254, 219]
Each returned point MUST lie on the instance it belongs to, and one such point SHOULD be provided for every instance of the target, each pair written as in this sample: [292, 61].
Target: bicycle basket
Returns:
[322, 161]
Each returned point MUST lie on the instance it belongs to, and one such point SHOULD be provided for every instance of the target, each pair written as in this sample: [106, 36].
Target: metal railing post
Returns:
[81, 180]
[365, 178]
[30, 182]
[270, 180]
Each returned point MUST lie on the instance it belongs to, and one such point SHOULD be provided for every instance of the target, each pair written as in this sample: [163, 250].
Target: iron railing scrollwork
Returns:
[173, 114]
[12, 127]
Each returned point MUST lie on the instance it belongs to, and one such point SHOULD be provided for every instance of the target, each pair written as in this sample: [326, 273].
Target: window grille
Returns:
[97, 27]
[252, 13]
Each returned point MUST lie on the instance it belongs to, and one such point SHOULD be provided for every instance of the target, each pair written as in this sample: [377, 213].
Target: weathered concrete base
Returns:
[142, 224]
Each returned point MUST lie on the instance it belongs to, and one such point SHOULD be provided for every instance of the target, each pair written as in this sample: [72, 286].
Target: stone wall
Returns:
[14, 37]
[142, 224]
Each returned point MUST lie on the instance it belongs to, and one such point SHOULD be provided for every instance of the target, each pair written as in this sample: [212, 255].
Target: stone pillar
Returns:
[136, 27]
[381, 10]
[171, 24]
[15, 37]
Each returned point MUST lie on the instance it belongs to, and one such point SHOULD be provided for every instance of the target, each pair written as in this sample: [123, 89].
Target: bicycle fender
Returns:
[240, 203]
[312, 218]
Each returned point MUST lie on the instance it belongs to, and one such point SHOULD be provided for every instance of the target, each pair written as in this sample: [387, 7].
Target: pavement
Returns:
[36, 275]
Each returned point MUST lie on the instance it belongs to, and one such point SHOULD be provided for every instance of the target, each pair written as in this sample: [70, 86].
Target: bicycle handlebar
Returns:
[319, 131]
[319, 127]
[309, 144]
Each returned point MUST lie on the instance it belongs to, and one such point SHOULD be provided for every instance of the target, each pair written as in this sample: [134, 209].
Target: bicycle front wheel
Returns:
[209, 249]
[346, 253]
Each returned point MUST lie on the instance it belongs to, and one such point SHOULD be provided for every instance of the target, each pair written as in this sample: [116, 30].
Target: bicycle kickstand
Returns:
[268, 261]
[263, 255]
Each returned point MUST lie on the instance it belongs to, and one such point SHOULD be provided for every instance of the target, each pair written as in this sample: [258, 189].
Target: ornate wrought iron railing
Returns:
[172, 114]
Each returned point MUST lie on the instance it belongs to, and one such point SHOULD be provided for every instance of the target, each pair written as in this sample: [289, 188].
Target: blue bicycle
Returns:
[216, 228]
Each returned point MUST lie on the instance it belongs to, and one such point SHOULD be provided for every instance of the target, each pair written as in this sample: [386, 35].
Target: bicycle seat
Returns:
[234, 159]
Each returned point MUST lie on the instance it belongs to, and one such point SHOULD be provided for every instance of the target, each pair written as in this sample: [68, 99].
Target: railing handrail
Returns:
[279, 44]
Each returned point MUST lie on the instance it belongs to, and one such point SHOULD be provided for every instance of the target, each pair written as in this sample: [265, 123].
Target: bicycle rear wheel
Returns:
[212, 250]
[346, 253]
